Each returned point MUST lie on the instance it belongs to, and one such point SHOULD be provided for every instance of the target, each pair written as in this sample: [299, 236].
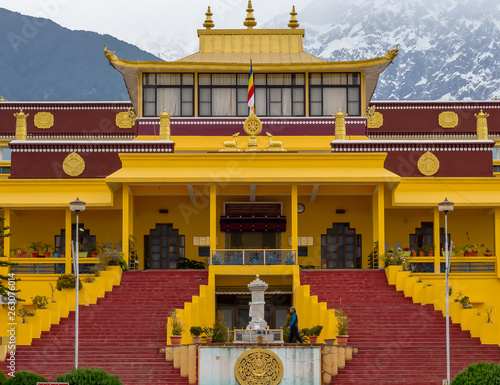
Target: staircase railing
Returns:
[253, 257]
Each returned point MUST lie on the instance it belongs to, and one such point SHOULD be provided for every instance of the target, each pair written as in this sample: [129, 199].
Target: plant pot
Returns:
[456, 299]
[313, 339]
[260, 339]
[209, 340]
[196, 339]
[413, 254]
[56, 255]
[93, 254]
[329, 341]
[82, 254]
[471, 254]
[420, 253]
[488, 255]
[175, 340]
[342, 340]
[46, 254]
[430, 253]
[34, 255]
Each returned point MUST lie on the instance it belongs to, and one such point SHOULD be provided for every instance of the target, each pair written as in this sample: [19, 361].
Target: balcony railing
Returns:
[253, 257]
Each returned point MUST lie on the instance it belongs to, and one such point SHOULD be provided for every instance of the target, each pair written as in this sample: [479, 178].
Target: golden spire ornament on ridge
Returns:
[293, 24]
[250, 20]
[208, 24]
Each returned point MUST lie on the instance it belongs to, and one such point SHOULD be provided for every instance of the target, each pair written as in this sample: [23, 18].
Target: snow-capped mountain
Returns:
[448, 49]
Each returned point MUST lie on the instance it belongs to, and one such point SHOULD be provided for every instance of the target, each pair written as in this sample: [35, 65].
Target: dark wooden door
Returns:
[340, 247]
[163, 247]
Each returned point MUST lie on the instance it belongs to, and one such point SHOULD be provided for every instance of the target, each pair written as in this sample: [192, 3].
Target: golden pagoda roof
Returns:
[230, 51]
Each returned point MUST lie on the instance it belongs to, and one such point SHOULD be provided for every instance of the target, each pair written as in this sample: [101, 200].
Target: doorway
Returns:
[253, 240]
[163, 247]
[341, 247]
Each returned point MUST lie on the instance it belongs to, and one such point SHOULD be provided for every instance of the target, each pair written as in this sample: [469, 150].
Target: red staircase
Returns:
[122, 333]
[399, 342]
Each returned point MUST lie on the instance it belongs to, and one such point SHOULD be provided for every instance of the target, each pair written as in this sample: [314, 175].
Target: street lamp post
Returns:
[76, 206]
[446, 206]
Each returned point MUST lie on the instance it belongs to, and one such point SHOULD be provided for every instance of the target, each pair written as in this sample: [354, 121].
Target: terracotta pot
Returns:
[209, 340]
[488, 255]
[260, 339]
[471, 254]
[46, 254]
[196, 340]
[93, 254]
[329, 341]
[34, 255]
[430, 253]
[420, 253]
[313, 339]
[413, 254]
[342, 340]
[175, 340]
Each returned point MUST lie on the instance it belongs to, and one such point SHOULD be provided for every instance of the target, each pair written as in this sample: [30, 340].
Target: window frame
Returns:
[212, 86]
[293, 85]
[156, 86]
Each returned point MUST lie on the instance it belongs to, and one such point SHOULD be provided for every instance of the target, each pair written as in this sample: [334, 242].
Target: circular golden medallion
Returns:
[44, 120]
[73, 165]
[428, 164]
[252, 125]
[258, 367]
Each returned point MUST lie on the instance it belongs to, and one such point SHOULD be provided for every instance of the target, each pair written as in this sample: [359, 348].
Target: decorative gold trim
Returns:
[376, 120]
[44, 120]
[73, 165]
[482, 125]
[340, 131]
[21, 125]
[253, 127]
[125, 119]
[428, 164]
[448, 119]
[258, 366]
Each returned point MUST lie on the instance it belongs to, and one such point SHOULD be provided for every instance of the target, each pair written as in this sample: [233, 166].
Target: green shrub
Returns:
[25, 378]
[482, 373]
[3, 378]
[89, 376]
[196, 331]
[40, 301]
[67, 281]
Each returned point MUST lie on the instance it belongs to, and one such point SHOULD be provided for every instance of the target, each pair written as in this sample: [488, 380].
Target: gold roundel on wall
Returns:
[376, 120]
[73, 165]
[44, 120]
[258, 366]
[124, 120]
[253, 125]
[428, 164]
[448, 119]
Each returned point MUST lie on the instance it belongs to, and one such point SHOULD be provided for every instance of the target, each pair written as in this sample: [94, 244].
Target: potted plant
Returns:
[465, 301]
[414, 250]
[208, 332]
[196, 333]
[459, 296]
[471, 249]
[429, 250]
[342, 324]
[177, 328]
[488, 253]
[421, 251]
[36, 249]
[313, 333]
[23, 313]
[46, 250]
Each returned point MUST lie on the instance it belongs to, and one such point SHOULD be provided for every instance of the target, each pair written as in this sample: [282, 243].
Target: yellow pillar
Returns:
[375, 215]
[213, 218]
[6, 240]
[125, 220]
[497, 238]
[295, 219]
[67, 250]
[380, 221]
[437, 243]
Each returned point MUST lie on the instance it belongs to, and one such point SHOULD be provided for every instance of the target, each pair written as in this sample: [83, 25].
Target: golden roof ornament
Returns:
[250, 20]
[3, 100]
[391, 54]
[208, 24]
[482, 125]
[110, 55]
[293, 24]
[21, 125]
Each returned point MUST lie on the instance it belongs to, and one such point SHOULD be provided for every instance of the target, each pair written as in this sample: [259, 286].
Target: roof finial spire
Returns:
[209, 24]
[293, 20]
[250, 20]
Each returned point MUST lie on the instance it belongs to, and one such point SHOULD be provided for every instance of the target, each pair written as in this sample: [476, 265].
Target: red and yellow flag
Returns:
[251, 93]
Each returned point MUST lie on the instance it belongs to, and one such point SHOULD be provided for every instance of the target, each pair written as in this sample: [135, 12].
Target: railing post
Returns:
[264, 264]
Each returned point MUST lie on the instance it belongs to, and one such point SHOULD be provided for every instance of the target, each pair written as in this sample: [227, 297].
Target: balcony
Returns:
[253, 257]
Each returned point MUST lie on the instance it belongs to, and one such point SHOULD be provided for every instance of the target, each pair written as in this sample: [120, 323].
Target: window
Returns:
[171, 92]
[330, 92]
[279, 94]
[5, 153]
[223, 94]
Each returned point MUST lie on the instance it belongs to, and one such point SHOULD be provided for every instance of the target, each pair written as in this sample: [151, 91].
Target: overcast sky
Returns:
[133, 20]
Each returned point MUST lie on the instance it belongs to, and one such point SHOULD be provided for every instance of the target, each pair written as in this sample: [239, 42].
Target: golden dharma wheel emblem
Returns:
[253, 125]
[428, 164]
[124, 120]
[258, 367]
[44, 120]
[376, 120]
[448, 119]
[73, 165]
